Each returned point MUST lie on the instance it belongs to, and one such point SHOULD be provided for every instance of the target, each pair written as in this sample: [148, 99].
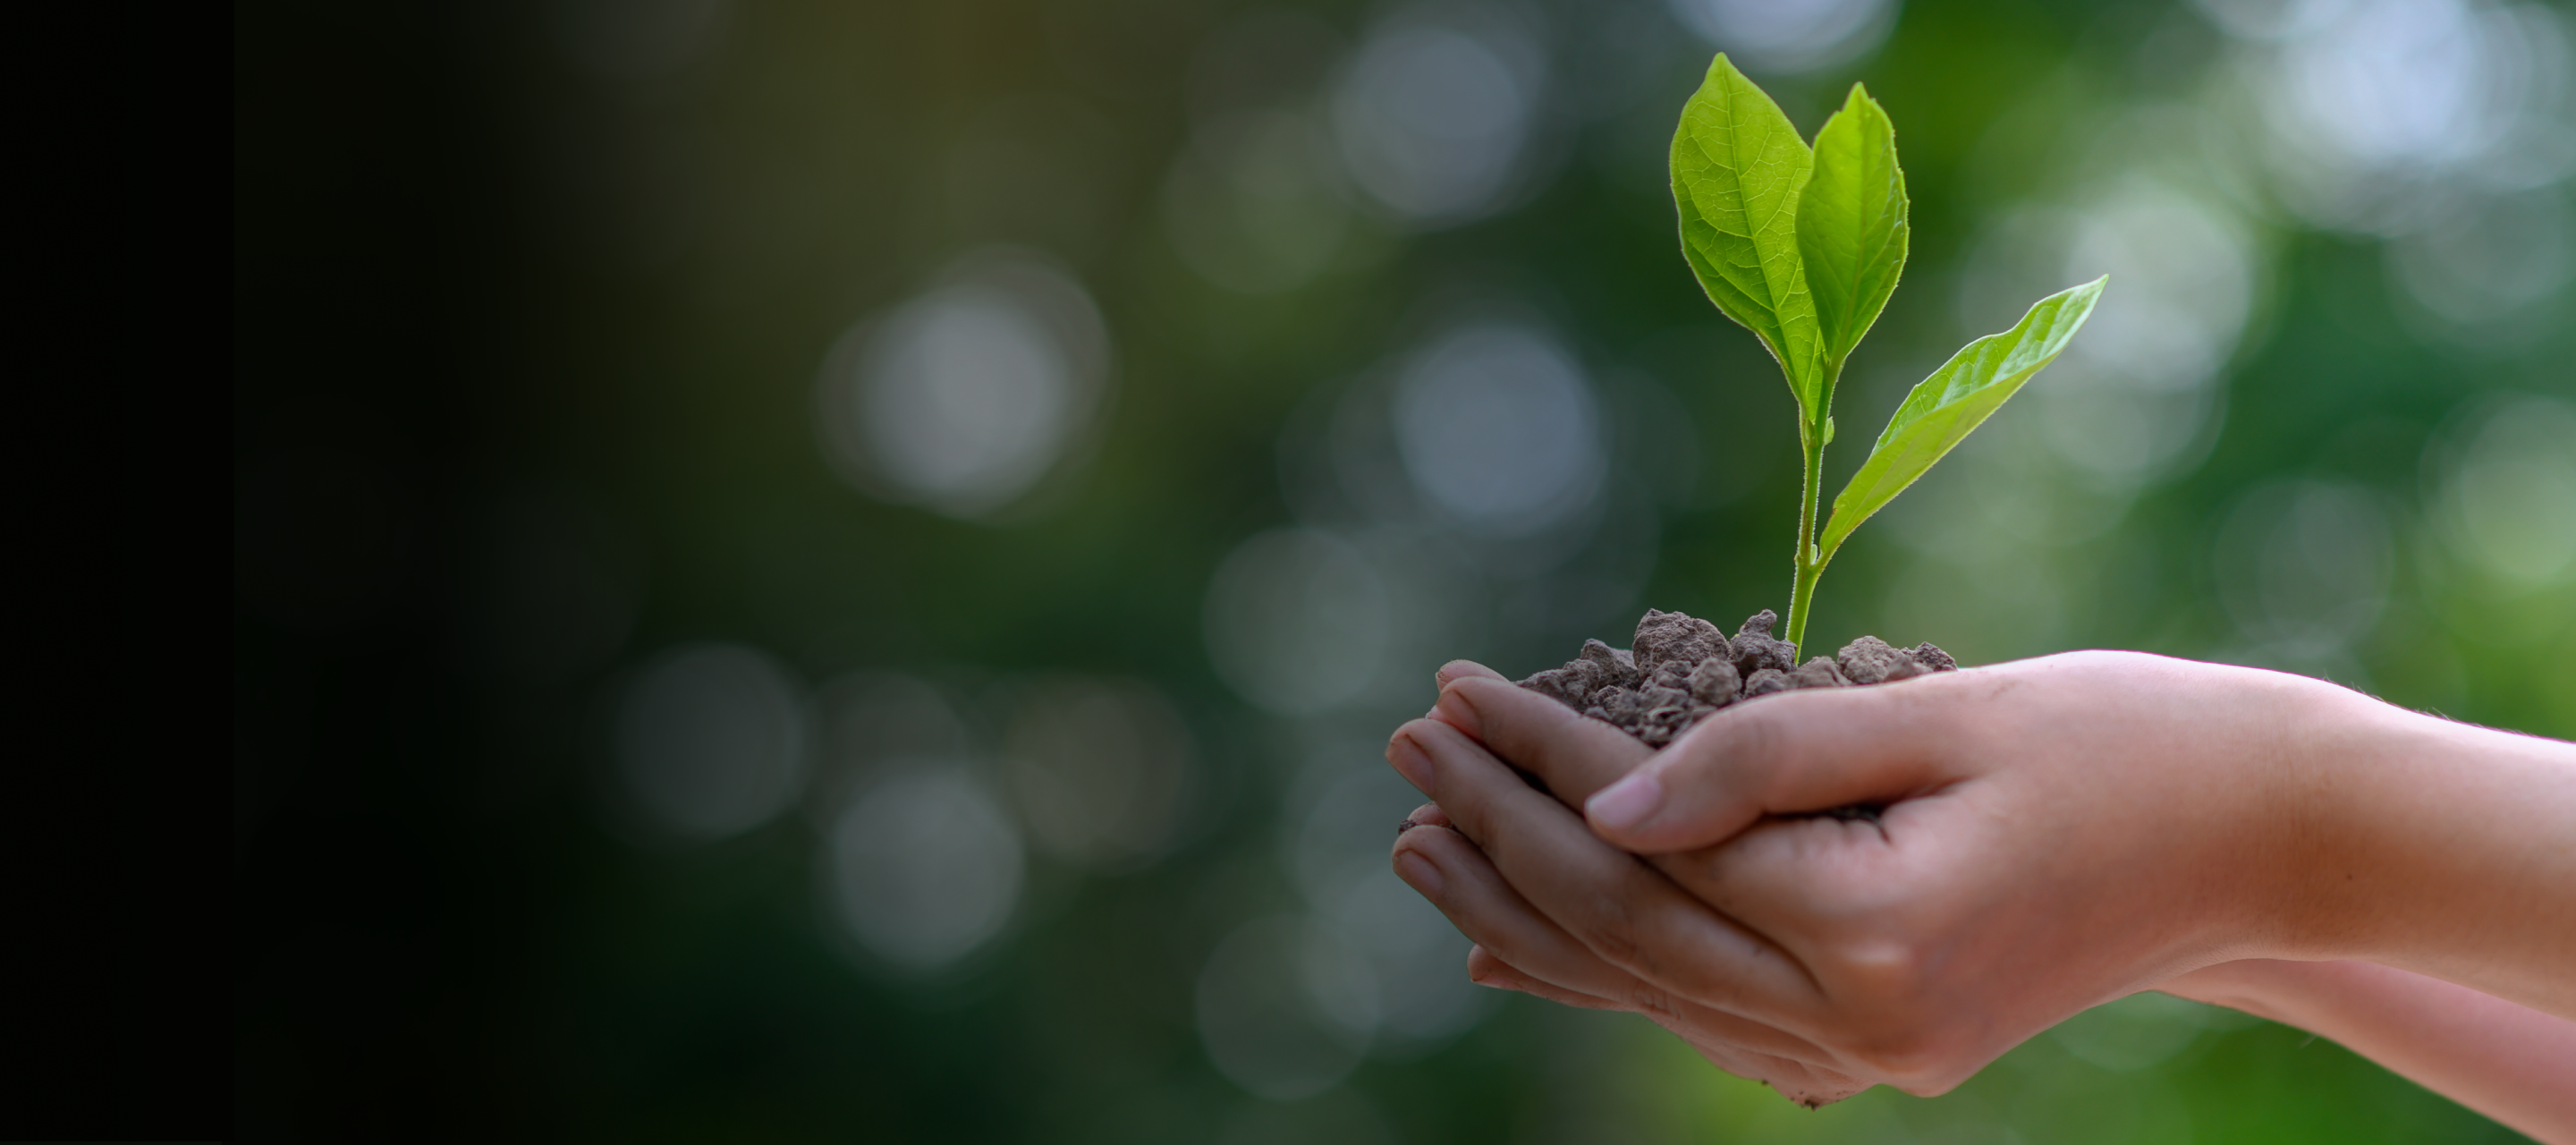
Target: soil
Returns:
[1681, 670]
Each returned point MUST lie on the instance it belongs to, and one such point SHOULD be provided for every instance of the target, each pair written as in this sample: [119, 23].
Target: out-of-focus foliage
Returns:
[820, 571]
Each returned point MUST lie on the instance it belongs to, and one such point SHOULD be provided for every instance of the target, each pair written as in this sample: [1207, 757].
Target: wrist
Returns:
[2301, 823]
[2344, 766]
[2426, 845]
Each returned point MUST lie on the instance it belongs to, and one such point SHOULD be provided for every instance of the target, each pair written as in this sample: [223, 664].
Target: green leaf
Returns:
[1852, 229]
[1738, 166]
[1955, 399]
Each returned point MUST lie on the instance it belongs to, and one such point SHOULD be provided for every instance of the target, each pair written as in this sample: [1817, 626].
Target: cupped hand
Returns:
[1540, 957]
[1832, 888]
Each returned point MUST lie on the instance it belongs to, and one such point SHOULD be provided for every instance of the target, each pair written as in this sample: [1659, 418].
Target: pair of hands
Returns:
[2050, 834]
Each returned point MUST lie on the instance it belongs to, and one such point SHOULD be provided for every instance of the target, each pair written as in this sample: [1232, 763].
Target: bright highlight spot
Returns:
[1497, 428]
[1433, 119]
[964, 398]
[2139, 390]
[2381, 111]
[1789, 35]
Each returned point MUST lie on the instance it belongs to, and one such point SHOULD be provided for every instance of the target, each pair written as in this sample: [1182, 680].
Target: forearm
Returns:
[2452, 852]
[2512, 1063]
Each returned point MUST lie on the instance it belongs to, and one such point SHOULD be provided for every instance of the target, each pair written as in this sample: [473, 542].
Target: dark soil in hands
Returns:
[1682, 669]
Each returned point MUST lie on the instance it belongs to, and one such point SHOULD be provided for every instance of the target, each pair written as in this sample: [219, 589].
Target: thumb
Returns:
[1787, 754]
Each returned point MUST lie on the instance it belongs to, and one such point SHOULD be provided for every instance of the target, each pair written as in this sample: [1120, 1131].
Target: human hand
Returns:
[2050, 834]
[1457, 877]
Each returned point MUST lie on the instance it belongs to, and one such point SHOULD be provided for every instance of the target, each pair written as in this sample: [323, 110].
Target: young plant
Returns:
[1802, 246]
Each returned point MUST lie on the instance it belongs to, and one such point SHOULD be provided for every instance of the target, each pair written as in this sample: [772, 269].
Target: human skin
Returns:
[2053, 833]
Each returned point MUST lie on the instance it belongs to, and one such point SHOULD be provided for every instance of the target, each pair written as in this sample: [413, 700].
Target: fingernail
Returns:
[1454, 710]
[1418, 873]
[1452, 670]
[1625, 804]
[1409, 761]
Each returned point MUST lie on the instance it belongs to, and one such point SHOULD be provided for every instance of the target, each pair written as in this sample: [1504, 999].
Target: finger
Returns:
[1460, 881]
[1485, 969]
[1427, 815]
[1812, 884]
[1404, 754]
[1576, 755]
[1572, 755]
[1753, 1053]
[1803, 751]
[1461, 670]
[1622, 910]
[1801, 1081]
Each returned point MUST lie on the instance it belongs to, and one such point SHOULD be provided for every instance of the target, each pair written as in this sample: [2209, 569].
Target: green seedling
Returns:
[1803, 245]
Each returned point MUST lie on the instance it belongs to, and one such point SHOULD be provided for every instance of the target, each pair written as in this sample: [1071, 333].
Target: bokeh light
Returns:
[1497, 429]
[1296, 620]
[2378, 110]
[2488, 270]
[711, 740]
[1789, 35]
[2508, 503]
[963, 398]
[925, 866]
[1436, 110]
[1286, 1008]
[2133, 399]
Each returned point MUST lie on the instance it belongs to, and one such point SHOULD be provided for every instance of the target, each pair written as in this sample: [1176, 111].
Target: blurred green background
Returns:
[838, 571]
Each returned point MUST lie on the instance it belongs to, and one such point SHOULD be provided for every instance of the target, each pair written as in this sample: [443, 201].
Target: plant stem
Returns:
[1802, 589]
[1809, 563]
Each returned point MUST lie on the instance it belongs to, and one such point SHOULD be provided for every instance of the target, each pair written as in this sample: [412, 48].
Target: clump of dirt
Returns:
[1682, 669]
